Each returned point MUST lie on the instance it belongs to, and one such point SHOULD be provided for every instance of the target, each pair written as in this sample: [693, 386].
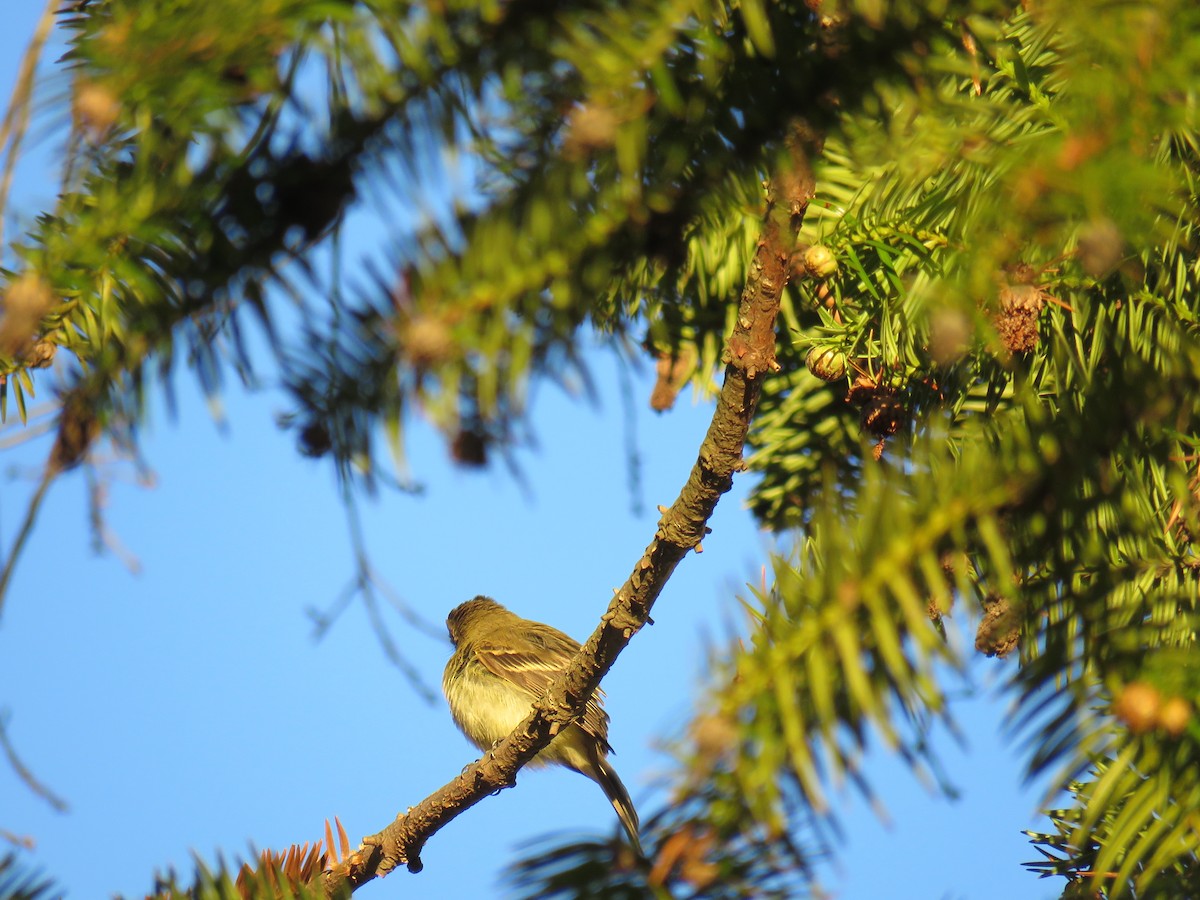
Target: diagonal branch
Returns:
[749, 356]
[23, 771]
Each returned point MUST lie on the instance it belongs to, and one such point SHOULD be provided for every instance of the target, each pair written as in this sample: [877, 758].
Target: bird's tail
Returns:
[606, 776]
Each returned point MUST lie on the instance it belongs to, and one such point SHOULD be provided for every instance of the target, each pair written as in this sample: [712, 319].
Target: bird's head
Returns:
[462, 615]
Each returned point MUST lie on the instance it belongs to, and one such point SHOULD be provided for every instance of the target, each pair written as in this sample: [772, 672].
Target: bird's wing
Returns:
[543, 654]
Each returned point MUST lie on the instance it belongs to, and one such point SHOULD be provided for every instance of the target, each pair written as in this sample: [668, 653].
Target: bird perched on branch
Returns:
[501, 665]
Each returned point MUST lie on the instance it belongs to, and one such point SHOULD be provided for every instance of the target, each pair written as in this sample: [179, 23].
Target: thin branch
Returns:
[750, 356]
[365, 584]
[16, 119]
[34, 430]
[406, 611]
[23, 771]
[633, 458]
[8, 566]
[104, 537]
[24, 841]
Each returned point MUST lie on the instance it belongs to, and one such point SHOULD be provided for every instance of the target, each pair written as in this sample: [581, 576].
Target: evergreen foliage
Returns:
[990, 390]
[18, 883]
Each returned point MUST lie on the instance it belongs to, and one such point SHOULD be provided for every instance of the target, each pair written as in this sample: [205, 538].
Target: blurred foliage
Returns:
[990, 348]
[704, 843]
[17, 882]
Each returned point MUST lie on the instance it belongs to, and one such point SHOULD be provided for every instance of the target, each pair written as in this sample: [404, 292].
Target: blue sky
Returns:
[188, 709]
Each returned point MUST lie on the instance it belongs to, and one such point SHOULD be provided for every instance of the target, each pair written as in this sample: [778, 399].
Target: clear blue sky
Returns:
[188, 709]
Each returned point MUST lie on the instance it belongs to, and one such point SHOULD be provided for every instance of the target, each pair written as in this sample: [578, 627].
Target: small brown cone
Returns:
[672, 371]
[1138, 707]
[22, 307]
[884, 415]
[1017, 321]
[1000, 631]
[1174, 716]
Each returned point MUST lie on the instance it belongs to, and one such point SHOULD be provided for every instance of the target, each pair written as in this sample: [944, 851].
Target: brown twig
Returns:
[24, 841]
[749, 356]
[16, 119]
[23, 771]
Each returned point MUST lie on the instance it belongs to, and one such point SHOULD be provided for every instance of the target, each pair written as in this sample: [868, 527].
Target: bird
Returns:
[501, 664]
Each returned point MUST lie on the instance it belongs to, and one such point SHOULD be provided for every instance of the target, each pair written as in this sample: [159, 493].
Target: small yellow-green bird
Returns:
[501, 665]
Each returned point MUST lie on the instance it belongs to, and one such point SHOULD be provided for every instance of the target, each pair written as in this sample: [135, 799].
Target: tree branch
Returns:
[750, 355]
[24, 773]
